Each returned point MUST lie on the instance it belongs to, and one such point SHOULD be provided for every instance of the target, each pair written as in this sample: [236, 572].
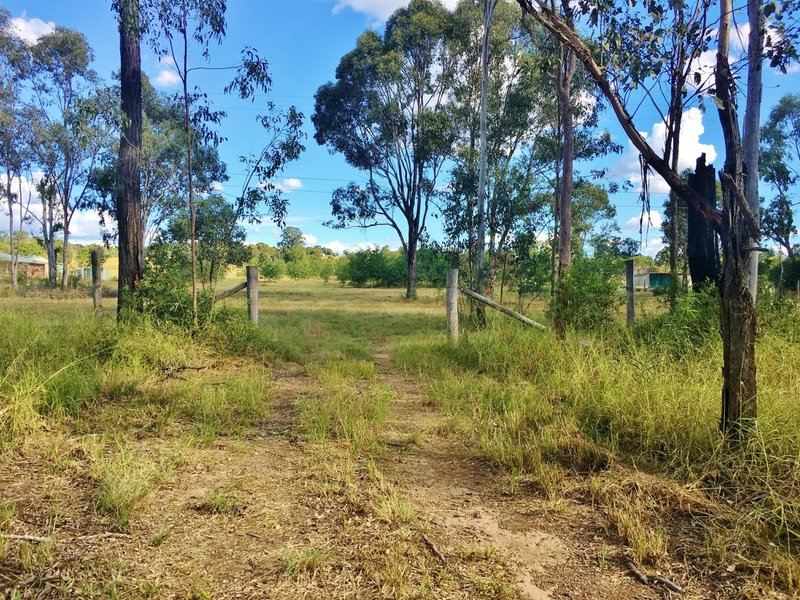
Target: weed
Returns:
[6, 515]
[294, 562]
[121, 483]
[394, 509]
[161, 537]
[219, 502]
[477, 553]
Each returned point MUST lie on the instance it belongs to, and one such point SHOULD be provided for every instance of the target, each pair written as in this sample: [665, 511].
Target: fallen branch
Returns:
[434, 550]
[102, 536]
[25, 538]
[503, 309]
[39, 539]
[651, 580]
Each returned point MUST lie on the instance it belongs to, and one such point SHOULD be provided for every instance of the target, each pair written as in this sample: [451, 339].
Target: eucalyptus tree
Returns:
[176, 30]
[737, 221]
[15, 138]
[660, 66]
[162, 168]
[72, 125]
[494, 168]
[387, 114]
[220, 239]
[128, 194]
[780, 167]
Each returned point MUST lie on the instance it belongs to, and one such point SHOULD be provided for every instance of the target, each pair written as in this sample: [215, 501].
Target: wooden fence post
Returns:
[97, 279]
[631, 289]
[451, 300]
[252, 293]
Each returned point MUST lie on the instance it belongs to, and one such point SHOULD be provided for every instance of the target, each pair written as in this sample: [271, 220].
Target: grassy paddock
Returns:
[633, 416]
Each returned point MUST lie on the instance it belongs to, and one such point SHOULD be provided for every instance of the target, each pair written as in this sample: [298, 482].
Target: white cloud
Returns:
[793, 68]
[653, 219]
[30, 30]
[289, 184]
[309, 240]
[166, 78]
[705, 66]
[217, 186]
[341, 247]
[691, 148]
[379, 9]
[85, 227]
[652, 246]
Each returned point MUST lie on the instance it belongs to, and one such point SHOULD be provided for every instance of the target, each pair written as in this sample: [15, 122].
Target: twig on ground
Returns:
[652, 580]
[24, 538]
[40, 539]
[434, 550]
[102, 536]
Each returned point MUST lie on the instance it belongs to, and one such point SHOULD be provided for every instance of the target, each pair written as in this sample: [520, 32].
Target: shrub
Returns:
[588, 295]
[165, 300]
[272, 268]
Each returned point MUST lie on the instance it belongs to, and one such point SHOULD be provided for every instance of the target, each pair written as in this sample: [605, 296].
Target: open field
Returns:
[344, 449]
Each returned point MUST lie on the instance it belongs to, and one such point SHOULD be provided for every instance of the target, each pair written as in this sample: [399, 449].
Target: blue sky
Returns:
[303, 41]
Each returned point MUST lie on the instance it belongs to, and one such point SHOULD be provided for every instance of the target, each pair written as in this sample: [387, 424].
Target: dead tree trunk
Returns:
[702, 249]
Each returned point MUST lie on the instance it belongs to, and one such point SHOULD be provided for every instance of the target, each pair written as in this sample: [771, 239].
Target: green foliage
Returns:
[588, 294]
[164, 295]
[779, 313]
[785, 274]
[379, 267]
[272, 268]
[690, 329]
[779, 165]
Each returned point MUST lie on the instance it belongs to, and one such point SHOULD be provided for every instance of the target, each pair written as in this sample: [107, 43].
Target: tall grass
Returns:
[351, 406]
[53, 367]
[538, 403]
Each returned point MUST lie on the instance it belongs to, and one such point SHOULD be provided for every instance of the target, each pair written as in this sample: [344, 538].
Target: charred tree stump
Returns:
[702, 249]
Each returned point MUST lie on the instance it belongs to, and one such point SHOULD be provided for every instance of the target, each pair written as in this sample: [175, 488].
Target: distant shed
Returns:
[28, 266]
[652, 281]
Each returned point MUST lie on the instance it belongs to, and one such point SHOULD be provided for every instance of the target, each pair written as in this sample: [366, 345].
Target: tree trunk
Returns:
[488, 11]
[129, 196]
[702, 251]
[65, 257]
[738, 319]
[411, 264]
[737, 306]
[563, 92]
[192, 219]
[751, 129]
[674, 152]
[14, 255]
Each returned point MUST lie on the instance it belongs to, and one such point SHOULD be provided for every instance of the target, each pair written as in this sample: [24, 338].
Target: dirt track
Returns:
[314, 521]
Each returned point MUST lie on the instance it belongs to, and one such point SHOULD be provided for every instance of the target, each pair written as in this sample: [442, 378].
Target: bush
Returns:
[788, 279]
[588, 297]
[373, 268]
[165, 300]
[272, 268]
